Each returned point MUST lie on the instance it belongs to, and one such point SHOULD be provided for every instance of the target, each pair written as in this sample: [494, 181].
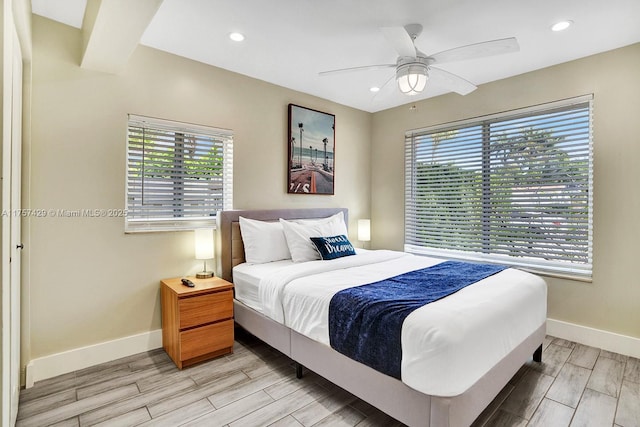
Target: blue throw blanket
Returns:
[365, 322]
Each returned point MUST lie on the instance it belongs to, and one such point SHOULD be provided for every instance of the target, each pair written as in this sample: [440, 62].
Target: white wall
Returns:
[89, 282]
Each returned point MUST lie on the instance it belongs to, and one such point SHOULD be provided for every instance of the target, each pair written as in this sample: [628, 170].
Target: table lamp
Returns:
[364, 230]
[204, 249]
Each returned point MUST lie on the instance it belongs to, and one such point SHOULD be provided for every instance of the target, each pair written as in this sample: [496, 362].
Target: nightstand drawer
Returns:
[206, 339]
[203, 309]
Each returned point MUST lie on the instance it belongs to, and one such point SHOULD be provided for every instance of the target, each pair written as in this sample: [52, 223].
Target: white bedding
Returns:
[246, 281]
[446, 345]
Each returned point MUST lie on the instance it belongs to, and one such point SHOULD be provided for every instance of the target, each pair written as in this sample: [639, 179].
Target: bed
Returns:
[435, 400]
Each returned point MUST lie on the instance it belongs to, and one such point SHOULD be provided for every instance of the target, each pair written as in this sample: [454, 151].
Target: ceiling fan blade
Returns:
[445, 79]
[364, 67]
[477, 50]
[385, 88]
[400, 40]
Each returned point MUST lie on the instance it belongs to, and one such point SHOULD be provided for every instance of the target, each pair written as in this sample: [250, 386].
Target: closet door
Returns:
[16, 220]
[11, 216]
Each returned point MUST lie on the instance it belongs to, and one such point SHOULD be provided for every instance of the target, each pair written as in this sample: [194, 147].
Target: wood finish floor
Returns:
[575, 385]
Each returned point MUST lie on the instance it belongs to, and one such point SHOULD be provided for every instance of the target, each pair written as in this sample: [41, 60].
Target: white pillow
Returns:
[298, 234]
[263, 241]
[335, 222]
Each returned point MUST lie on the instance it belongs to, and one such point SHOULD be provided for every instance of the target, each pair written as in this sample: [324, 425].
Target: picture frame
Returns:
[311, 151]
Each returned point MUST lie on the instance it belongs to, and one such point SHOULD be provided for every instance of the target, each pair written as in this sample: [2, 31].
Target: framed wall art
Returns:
[311, 151]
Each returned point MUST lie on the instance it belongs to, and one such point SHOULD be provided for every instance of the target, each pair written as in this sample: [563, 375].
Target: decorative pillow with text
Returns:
[333, 247]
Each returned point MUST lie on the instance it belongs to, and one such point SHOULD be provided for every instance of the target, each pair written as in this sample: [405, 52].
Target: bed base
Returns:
[382, 391]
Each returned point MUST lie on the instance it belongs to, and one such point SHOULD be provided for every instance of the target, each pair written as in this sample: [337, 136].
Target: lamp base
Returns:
[204, 274]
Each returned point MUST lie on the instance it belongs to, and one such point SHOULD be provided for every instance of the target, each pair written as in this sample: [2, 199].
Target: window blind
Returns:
[178, 175]
[512, 188]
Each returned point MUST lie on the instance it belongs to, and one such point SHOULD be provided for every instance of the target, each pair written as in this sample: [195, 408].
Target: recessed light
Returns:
[561, 26]
[374, 89]
[236, 37]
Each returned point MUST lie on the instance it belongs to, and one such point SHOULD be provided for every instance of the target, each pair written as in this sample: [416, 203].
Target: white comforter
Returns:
[446, 345]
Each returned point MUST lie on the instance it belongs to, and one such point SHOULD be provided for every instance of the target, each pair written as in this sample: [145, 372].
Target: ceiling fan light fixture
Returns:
[412, 77]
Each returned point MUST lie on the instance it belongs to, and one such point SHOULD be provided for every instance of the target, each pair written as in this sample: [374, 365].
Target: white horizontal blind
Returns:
[178, 175]
[513, 188]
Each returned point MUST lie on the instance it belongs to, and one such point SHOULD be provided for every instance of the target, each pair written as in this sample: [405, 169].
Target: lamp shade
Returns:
[204, 243]
[412, 78]
[364, 230]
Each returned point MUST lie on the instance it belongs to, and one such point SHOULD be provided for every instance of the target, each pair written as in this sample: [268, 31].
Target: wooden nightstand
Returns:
[197, 323]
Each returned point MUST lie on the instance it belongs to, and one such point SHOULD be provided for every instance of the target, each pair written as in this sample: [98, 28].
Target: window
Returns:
[178, 175]
[512, 188]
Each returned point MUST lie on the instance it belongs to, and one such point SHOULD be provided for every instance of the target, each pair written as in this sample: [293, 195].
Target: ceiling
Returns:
[288, 42]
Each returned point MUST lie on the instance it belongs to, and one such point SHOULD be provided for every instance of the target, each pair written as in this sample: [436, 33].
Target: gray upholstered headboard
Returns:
[231, 248]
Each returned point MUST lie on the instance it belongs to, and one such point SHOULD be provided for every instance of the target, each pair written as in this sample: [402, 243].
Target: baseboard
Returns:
[610, 341]
[80, 358]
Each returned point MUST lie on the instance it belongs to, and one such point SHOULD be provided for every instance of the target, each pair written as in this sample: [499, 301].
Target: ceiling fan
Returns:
[414, 68]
